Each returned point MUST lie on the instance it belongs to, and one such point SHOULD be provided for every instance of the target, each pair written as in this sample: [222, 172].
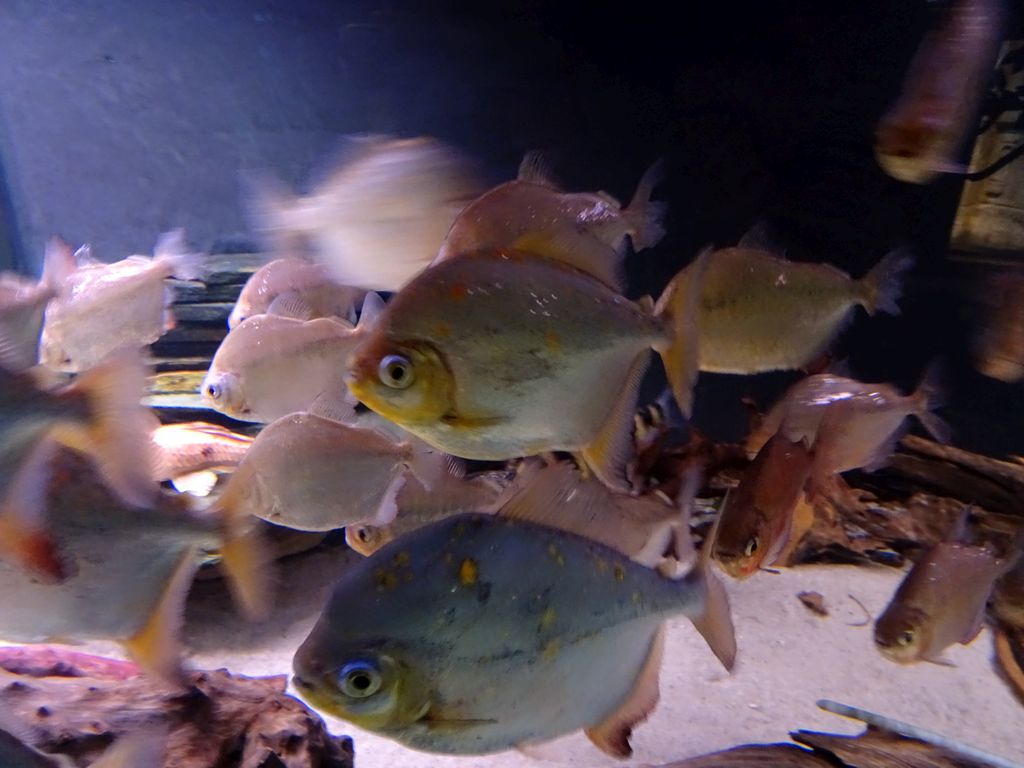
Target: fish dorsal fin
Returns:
[763, 237]
[291, 304]
[156, 646]
[84, 258]
[611, 736]
[611, 451]
[535, 168]
[592, 256]
[333, 406]
[373, 305]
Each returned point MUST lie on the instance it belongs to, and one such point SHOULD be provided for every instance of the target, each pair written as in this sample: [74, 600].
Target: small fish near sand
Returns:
[269, 366]
[378, 217]
[484, 357]
[98, 414]
[584, 229]
[761, 312]
[942, 600]
[125, 571]
[296, 288]
[478, 634]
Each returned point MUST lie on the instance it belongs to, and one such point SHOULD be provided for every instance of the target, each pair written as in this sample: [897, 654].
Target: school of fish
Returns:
[496, 607]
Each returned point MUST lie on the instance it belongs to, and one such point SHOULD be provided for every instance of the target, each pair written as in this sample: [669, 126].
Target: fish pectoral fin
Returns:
[612, 735]
[611, 451]
[156, 647]
[939, 659]
[463, 421]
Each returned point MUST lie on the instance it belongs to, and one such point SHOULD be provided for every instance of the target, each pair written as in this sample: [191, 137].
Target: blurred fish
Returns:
[584, 229]
[187, 453]
[312, 472]
[756, 520]
[126, 571]
[295, 288]
[476, 634]
[488, 356]
[1008, 596]
[23, 305]
[921, 134]
[940, 601]
[760, 312]
[98, 414]
[270, 366]
[144, 749]
[848, 423]
[109, 306]
[379, 218]
[416, 506]
[999, 347]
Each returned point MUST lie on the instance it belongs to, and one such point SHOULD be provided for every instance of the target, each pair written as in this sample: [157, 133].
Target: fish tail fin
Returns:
[270, 209]
[58, 264]
[23, 532]
[647, 217]
[883, 285]
[714, 620]
[930, 394]
[156, 645]
[183, 263]
[679, 308]
[117, 435]
[245, 556]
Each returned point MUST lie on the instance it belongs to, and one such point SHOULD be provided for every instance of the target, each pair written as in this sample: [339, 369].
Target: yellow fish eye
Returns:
[906, 638]
[395, 371]
[752, 546]
[360, 679]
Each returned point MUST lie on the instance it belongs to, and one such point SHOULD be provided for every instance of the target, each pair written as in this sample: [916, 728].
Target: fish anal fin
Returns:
[612, 735]
[387, 510]
[715, 622]
[156, 646]
[24, 533]
[291, 304]
[611, 450]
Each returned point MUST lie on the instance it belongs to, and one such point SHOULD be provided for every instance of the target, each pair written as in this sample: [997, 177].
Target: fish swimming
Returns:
[756, 520]
[849, 424]
[108, 306]
[760, 312]
[998, 347]
[379, 217]
[125, 571]
[294, 288]
[586, 230]
[486, 356]
[23, 305]
[269, 366]
[921, 134]
[941, 601]
[98, 414]
[187, 453]
[314, 473]
[477, 634]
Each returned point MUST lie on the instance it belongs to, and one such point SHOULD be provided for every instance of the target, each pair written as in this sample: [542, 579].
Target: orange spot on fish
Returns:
[443, 330]
[553, 342]
[551, 649]
[553, 551]
[402, 559]
[385, 579]
[458, 291]
[468, 572]
[620, 572]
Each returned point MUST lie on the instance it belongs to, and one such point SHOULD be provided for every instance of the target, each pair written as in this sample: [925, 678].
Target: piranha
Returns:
[760, 312]
[187, 454]
[941, 600]
[314, 472]
[849, 424]
[126, 571]
[270, 366]
[477, 634]
[757, 519]
[584, 229]
[921, 134]
[108, 306]
[23, 305]
[379, 216]
[98, 414]
[294, 288]
[486, 356]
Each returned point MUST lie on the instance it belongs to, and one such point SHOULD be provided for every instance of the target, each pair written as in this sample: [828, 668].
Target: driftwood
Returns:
[876, 748]
[758, 756]
[76, 705]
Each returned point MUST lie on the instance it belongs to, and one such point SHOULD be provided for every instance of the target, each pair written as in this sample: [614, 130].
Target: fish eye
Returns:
[363, 534]
[906, 638]
[213, 391]
[752, 546]
[395, 371]
[359, 679]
